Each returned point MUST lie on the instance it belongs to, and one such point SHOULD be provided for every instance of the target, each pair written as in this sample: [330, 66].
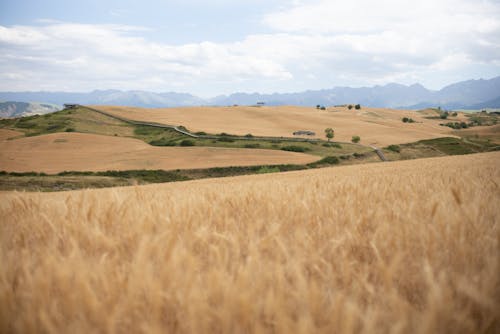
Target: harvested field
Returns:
[492, 132]
[6, 134]
[58, 152]
[406, 247]
[375, 126]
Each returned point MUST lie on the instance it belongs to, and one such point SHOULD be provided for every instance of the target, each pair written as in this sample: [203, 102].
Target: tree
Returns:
[356, 139]
[349, 107]
[318, 106]
[329, 133]
[357, 106]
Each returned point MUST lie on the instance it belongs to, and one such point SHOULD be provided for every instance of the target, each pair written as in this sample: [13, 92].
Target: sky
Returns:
[208, 48]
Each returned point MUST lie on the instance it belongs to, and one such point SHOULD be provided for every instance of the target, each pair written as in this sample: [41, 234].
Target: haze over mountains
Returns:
[471, 94]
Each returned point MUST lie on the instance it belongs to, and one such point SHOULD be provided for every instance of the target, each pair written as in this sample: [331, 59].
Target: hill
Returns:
[376, 126]
[58, 152]
[402, 246]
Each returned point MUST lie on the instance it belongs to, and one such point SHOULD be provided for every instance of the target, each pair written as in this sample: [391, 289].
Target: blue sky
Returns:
[218, 47]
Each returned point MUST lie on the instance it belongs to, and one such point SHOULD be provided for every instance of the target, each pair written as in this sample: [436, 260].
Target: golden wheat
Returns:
[397, 247]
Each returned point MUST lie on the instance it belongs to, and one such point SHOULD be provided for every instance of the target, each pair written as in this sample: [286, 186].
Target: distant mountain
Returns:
[17, 109]
[465, 95]
[108, 97]
[459, 95]
[495, 103]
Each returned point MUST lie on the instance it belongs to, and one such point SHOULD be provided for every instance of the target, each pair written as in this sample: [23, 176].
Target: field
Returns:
[407, 246]
[57, 152]
[375, 126]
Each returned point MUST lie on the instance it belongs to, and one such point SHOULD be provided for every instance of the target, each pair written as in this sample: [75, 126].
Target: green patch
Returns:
[266, 170]
[325, 161]
[394, 148]
[294, 148]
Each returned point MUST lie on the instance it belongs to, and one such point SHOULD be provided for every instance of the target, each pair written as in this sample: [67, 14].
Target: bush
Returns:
[454, 114]
[294, 148]
[249, 135]
[336, 145]
[394, 148]
[349, 107]
[322, 108]
[252, 145]
[187, 142]
[405, 119]
[356, 139]
[200, 133]
[73, 130]
[357, 106]
[162, 142]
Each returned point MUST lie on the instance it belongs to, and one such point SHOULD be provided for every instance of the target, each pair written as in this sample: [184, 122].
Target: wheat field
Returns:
[399, 247]
[57, 152]
[376, 126]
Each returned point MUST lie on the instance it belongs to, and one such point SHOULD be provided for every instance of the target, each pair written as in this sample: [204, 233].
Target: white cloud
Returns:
[310, 46]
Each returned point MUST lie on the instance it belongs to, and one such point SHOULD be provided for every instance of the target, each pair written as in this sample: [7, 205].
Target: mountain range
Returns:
[470, 94]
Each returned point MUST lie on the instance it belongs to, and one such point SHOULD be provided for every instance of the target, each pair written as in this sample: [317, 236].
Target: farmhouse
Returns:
[304, 133]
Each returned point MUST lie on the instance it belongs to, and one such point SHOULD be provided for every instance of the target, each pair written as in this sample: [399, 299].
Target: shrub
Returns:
[329, 160]
[357, 106]
[443, 115]
[323, 108]
[162, 142]
[349, 107]
[187, 142]
[405, 119]
[394, 148]
[249, 135]
[200, 133]
[294, 148]
[257, 145]
[356, 139]
[454, 114]
[73, 130]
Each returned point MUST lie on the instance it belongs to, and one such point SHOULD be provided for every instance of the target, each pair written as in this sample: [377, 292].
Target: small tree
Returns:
[356, 139]
[329, 133]
[357, 106]
[349, 107]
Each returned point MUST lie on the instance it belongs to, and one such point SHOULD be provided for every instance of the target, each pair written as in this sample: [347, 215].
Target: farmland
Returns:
[57, 152]
[408, 246]
[375, 126]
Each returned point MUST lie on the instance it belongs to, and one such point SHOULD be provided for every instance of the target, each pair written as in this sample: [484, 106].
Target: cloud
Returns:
[104, 56]
[307, 46]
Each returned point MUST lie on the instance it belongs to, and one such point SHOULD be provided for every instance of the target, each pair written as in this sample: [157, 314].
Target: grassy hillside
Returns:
[409, 247]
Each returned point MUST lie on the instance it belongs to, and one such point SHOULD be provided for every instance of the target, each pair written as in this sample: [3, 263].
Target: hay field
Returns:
[376, 126]
[399, 247]
[58, 152]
